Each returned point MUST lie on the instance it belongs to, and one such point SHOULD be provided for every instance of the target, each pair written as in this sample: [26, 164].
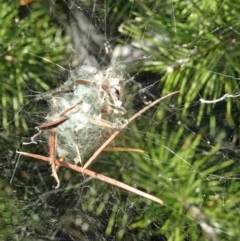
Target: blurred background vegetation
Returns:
[193, 148]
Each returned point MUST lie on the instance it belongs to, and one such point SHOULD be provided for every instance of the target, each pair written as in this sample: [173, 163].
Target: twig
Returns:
[124, 149]
[96, 176]
[114, 135]
[52, 146]
[218, 100]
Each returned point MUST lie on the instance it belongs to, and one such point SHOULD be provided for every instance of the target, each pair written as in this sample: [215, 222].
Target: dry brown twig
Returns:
[54, 162]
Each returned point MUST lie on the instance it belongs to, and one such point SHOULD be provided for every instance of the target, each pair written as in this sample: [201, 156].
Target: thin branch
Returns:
[96, 176]
[52, 147]
[51, 125]
[123, 149]
[70, 108]
[114, 135]
[218, 100]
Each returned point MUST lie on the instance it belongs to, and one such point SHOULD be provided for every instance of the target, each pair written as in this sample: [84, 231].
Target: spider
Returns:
[56, 163]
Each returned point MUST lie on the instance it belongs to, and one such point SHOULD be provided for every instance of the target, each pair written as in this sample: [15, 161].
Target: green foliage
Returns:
[192, 148]
[193, 46]
[30, 47]
[9, 211]
[195, 49]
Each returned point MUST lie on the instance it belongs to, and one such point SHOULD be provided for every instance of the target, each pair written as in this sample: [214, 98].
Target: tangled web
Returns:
[100, 96]
[189, 142]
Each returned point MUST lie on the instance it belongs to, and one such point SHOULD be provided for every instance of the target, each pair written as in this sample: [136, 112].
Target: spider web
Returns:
[191, 159]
